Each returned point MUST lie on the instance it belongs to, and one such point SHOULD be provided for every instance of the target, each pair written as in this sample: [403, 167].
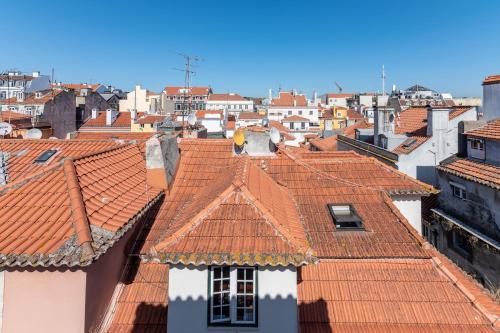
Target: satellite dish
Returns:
[275, 135]
[5, 129]
[239, 137]
[265, 122]
[33, 133]
[192, 120]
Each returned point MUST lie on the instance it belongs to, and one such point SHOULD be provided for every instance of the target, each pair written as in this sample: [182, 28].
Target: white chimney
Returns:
[36, 74]
[110, 116]
[94, 113]
[133, 115]
[437, 127]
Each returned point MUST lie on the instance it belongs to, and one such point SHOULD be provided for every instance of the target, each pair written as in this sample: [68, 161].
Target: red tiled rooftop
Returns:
[330, 143]
[192, 90]
[289, 99]
[492, 79]
[127, 136]
[6, 116]
[150, 119]
[226, 97]
[123, 120]
[476, 171]
[40, 213]
[384, 295]
[491, 130]
[22, 153]
[250, 116]
[294, 119]
[353, 114]
[202, 114]
[78, 86]
[338, 95]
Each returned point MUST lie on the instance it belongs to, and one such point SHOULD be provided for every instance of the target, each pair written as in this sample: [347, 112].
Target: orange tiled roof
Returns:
[193, 90]
[33, 100]
[259, 218]
[492, 79]
[330, 143]
[384, 295]
[202, 114]
[231, 124]
[294, 119]
[128, 136]
[226, 97]
[22, 153]
[353, 114]
[250, 116]
[150, 119]
[78, 86]
[491, 130]
[123, 120]
[287, 99]
[70, 213]
[478, 172]
[5, 116]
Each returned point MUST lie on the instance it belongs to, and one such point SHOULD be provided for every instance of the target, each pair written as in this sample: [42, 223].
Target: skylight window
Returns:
[345, 217]
[409, 142]
[45, 156]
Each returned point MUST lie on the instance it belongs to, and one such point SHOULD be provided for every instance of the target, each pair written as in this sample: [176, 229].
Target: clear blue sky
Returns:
[250, 46]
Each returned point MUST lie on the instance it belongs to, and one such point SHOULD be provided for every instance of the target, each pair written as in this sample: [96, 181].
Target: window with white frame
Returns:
[232, 296]
[477, 144]
[458, 191]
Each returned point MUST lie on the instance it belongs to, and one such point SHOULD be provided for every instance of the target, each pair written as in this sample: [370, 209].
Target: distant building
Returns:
[180, 98]
[112, 99]
[232, 103]
[336, 99]
[466, 224]
[55, 107]
[414, 141]
[289, 104]
[246, 119]
[109, 121]
[17, 85]
[212, 120]
[141, 100]
[491, 98]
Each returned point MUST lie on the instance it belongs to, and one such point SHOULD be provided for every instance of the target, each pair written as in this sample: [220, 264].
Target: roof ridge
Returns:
[102, 151]
[269, 217]
[195, 221]
[80, 219]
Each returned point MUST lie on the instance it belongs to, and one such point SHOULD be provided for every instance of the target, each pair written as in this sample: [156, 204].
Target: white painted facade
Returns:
[188, 301]
[232, 106]
[15, 84]
[248, 122]
[138, 100]
[278, 113]
[411, 208]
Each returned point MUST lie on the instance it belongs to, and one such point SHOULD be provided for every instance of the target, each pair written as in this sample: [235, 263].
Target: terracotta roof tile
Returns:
[150, 119]
[492, 79]
[249, 115]
[202, 114]
[71, 212]
[294, 119]
[193, 90]
[5, 116]
[369, 296]
[336, 95]
[353, 114]
[479, 172]
[330, 143]
[491, 130]
[289, 99]
[128, 136]
[226, 97]
[22, 153]
[123, 120]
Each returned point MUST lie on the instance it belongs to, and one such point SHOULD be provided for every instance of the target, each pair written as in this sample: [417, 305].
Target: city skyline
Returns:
[249, 49]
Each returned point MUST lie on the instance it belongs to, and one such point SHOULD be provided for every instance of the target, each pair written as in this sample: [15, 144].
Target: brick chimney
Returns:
[162, 155]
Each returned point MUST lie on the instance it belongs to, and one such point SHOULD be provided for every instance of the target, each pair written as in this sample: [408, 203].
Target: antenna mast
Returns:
[186, 103]
[383, 80]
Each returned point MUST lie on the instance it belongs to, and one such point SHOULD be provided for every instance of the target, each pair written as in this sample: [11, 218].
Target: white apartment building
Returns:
[17, 85]
[141, 100]
[233, 103]
[291, 104]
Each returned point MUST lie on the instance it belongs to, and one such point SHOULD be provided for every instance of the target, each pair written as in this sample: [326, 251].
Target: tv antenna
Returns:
[188, 72]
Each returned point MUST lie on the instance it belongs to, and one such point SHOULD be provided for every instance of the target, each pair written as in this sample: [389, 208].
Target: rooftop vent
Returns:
[409, 142]
[45, 156]
[345, 217]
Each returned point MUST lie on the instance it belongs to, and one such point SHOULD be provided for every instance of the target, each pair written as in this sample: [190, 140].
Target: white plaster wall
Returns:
[188, 294]
[231, 105]
[141, 102]
[212, 125]
[411, 208]
[283, 111]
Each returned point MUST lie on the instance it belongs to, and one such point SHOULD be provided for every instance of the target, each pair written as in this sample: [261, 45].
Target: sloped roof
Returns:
[384, 295]
[256, 217]
[5, 116]
[150, 119]
[22, 153]
[492, 79]
[330, 143]
[353, 114]
[78, 86]
[288, 99]
[192, 90]
[479, 172]
[31, 99]
[123, 120]
[127, 136]
[339, 95]
[202, 114]
[70, 213]
[226, 97]
[250, 116]
[294, 118]
[490, 131]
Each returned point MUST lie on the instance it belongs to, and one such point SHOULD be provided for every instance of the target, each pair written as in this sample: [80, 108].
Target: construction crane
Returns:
[338, 87]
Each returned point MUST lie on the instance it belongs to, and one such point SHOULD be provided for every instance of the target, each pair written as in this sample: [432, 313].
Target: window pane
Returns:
[217, 273]
[216, 299]
[225, 312]
[249, 301]
[249, 274]
[240, 301]
[225, 298]
[225, 284]
[241, 287]
[217, 286]
[240, 314]
[225, 272]
[249, 288]
[248, 315]
[241, 274]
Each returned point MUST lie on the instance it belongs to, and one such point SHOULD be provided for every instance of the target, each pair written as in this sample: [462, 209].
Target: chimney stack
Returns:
[94, 113]
[110, 116]
[162, 155]
[437, 127]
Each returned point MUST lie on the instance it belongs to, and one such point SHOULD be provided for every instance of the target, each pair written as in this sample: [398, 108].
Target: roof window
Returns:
[45, 156]
[345, 217]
